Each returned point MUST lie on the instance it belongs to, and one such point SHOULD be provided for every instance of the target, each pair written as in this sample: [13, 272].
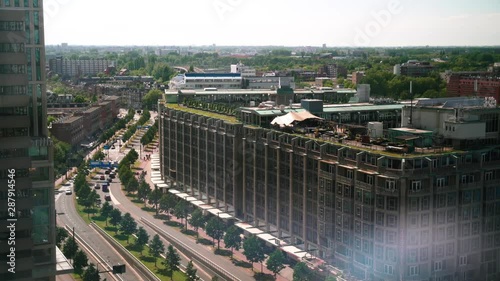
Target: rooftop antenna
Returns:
[411, 103]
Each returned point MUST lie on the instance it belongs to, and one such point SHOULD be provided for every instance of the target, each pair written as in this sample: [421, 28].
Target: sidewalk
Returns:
[285, 275]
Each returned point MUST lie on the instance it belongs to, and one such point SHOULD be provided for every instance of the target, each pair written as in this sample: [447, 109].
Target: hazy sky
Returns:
[273, 22]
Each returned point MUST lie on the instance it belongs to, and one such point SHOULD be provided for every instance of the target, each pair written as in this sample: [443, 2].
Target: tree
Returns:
[331, 278]
[99, 155]
[191, 272]
[172, 261]
[154, 197]
[142, 238]
[62, 234]
[80, 261]
[215, 229]
[128, 225]
[132, 185]
[91, 273]
[106, 211]
[253, 251]
[276, 261]
[197, 220]
[70, 248]
[181, 211]
[156, 247]
[151, 98]
[232, 238]
[167, 203]
[115, 218]
[143, 190]
[301, 272]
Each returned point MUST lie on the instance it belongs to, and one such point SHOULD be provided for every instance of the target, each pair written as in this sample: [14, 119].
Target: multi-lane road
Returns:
[67, 215]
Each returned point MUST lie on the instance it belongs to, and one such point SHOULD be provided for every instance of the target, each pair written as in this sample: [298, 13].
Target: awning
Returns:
[288, 119]
[295, 251]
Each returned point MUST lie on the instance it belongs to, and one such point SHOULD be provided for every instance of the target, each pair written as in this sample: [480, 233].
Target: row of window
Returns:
[12, 48]
[17, 3]
[12, 69]
[12, 90]
[11, 26]
[13, 132]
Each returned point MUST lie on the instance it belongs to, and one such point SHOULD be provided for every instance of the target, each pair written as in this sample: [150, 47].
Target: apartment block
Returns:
[424, 214]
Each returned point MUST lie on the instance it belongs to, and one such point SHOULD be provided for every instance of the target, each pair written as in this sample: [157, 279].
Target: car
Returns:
[102, 177]
[107, 172]
[112, 175]
[107, 197]
[68, 192]
[109, 179]
[97, 186]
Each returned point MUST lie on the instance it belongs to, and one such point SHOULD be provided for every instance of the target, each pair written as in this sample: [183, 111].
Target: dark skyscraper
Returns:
[27, 212]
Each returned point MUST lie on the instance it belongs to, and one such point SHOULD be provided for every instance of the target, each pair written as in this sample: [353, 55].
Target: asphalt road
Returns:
[67, 215]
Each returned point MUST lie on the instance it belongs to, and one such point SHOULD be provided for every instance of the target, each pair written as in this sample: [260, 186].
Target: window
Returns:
[413, 270]
[369, 180]
[392, 203]
[416, 186]
[391, 221]
[438, 266]
[388, 269]
[349, 174]
[462, 260]
[391, 237]
[440, 182]
[390, 185]
[488, 176]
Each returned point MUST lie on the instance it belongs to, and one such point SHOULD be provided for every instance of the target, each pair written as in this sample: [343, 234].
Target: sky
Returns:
[354, 23]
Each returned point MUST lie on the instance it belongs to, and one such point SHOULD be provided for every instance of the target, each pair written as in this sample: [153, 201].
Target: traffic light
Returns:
[118, 268]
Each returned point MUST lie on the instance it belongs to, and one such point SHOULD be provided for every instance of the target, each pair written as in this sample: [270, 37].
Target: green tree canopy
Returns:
[128, 225]
[172, 261]
[197, 220]
[156, 247]
[151, 98]
[80, 262]
[142, 238]
[232, 238]
[253, 250]
[301, 272]
[191, 272]
[91, 273]
[215, 229]
[276, 261]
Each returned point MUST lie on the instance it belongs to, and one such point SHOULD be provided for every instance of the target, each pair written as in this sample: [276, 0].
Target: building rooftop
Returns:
[68, 120]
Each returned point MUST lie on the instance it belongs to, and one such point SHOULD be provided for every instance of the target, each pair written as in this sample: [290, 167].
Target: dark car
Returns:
[112, 175]
[107, 172]
[102, 177]
[107, 197]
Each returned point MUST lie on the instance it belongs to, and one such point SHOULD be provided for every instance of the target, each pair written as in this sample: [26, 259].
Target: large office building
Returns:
[25, 149]
[425, 210]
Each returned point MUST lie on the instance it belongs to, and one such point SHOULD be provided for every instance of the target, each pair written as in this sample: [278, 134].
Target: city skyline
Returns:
[282, 23]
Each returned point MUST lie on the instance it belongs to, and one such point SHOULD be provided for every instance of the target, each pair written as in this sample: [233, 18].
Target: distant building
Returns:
[207, 81]
[267, 82]
[413, 68]
[332, 71]
[243, 70]
[357, 76]
[481, 84]
[69, 130]
[78, 68]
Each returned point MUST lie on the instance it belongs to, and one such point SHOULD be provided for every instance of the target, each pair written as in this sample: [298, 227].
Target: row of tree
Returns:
[120, 124]
[150, 134]
[133, 128]
[128, 226]
[81, 265]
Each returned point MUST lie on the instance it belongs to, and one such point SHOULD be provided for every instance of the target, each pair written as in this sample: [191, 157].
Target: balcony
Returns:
[364, 185]
[345, 180]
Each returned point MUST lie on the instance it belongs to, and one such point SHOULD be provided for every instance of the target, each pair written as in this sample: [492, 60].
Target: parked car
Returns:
[112, 175]
[107, 197]
[97, 186]
[102, 177]
[107, 172]
[68, 192]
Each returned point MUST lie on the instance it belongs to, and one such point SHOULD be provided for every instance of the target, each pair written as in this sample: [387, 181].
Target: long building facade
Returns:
[378, 215]
[26, 157]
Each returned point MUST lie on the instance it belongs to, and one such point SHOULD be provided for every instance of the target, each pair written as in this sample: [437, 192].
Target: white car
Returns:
[68, 192]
